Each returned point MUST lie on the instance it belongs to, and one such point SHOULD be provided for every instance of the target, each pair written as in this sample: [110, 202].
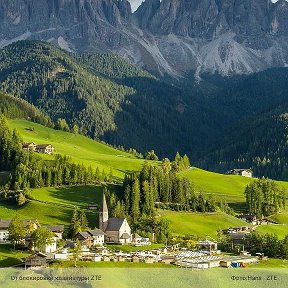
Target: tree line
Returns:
[29, 170]
[264, 197]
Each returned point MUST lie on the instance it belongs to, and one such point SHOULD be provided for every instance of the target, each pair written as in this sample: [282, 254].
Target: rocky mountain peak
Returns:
[167, 37]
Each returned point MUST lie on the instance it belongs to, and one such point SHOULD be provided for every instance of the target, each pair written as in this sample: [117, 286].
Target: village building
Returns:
[250, 218]
[4, 230]
[58, 230]
[241, 172]
[91, 238]
[209, 245]
[138, 240]
[117, 230]
[45, 149]
[98, 237]
[29, 146]
[37, 260]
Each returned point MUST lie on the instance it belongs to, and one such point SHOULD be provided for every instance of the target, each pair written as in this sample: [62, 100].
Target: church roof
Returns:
[114, 224]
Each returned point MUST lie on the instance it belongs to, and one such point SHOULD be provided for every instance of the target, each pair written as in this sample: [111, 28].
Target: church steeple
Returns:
[103, 215]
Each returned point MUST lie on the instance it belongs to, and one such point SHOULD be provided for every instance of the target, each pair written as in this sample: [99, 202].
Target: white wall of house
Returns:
[246, 174]
[4, 234]
[59, 235]
[51, 247]
[98, 240]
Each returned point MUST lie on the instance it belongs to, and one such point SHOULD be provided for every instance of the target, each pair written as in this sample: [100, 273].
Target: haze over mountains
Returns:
[171, 37]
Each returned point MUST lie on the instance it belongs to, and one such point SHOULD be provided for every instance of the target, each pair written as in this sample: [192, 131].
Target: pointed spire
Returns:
[104, 207]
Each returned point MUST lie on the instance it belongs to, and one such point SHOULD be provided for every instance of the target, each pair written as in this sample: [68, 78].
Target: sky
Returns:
[136, 3]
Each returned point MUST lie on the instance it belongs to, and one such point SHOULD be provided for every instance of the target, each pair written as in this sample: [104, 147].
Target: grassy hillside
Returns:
[81, 196]
[281, 218]
[280, 230]
[9, 257]
[55, 205]
[226, 187]
[81, 149]
[223, 187]
[202, 225]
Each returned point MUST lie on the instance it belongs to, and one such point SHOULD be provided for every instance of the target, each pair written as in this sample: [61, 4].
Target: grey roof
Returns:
[27, 144]
[4, 224]
[36, 255]
[56, 228]
[125, 236]
[114, 224]
[40, 146]
[96, 232]
[240, 170]
[238, 236]
[84, 235]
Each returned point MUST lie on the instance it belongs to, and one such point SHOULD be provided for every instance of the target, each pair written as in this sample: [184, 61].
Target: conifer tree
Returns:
[135, 201]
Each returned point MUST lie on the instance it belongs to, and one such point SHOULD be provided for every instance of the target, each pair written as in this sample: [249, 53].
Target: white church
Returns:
[117, 230]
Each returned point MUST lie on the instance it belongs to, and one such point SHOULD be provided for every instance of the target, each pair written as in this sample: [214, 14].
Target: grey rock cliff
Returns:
[172, 36]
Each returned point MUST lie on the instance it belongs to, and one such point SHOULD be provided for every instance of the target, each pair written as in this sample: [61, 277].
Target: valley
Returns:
[145, 137]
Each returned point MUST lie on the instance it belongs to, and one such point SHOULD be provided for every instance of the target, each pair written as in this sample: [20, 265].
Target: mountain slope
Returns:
[18, 108]
[168, 37]
[260, 143]
[107, 98]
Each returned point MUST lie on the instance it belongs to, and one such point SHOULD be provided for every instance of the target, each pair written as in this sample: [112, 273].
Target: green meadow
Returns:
[223, 187]
[280, 230]
[55, 205]
[81, 149]
[281, 218]
[9, 257]
[200, 224]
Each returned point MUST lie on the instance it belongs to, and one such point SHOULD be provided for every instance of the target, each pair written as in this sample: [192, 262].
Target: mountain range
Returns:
[173, 37]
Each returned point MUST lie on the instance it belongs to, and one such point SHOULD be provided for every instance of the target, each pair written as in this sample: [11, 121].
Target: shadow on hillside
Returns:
[238, 207]
[9, 261]
[75, 195]
[157, 117]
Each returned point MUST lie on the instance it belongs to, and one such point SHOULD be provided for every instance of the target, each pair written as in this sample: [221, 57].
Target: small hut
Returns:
[37, 260]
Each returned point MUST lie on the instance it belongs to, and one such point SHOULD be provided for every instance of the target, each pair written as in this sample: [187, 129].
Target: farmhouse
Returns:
[91, 238]
[250, 218]
[117, 230]
[241, 172]
[58, 230]
[29, 146]
[45, 149]
[37, 260]
[4, 233]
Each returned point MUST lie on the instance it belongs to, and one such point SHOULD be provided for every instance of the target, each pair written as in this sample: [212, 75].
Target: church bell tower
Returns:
[103, 215]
